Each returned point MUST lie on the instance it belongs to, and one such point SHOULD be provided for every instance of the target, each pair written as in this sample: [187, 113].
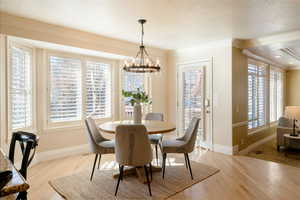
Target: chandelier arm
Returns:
[148, 56]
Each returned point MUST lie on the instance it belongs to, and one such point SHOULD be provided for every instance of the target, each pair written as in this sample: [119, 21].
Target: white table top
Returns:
[292, 137]
[153, 127]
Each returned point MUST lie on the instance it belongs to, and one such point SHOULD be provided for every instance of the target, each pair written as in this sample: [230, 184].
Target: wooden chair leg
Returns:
[96, 157]
[156, 154]
[120, 177]
[99, 160]
[189, 164]
[164, 164]
[148, 181]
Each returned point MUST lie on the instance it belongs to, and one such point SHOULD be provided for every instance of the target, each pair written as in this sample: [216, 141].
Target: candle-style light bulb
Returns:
[157, 62]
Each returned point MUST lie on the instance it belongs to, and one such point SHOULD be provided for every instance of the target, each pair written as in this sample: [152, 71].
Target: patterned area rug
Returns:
[177, 179]
[268, 151]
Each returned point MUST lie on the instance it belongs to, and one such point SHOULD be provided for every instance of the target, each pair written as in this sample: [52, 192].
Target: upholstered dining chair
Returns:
[184, 144]
[155, 138]
[97, 143]
[133, 149]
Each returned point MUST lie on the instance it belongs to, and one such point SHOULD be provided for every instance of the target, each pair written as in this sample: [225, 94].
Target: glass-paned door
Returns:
[193, 100]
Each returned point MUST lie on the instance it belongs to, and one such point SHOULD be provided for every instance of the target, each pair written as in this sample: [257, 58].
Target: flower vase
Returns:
[137, 113]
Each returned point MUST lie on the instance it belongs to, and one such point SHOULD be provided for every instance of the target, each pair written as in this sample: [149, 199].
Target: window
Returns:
[20, 88]
[131, 82]
[256, 95]
[276, 94]
[98, 89]
[65, 89]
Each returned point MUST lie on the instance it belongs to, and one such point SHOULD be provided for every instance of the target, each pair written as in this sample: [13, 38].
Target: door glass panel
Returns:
[192, 98]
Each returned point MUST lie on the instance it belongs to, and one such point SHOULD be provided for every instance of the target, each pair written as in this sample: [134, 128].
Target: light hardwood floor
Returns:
[240, 178]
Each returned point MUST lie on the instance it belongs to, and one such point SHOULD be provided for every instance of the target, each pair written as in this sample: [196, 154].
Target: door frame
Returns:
[209, 76]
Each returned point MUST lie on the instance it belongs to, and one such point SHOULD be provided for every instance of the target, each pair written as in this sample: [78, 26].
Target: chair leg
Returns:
[96, 157]
[148, 181]
[278, 148]
[164, 164]
[99, 160]
[120, 177]
[156, 154]
[150, 167]
[185, 160]
[189, 164]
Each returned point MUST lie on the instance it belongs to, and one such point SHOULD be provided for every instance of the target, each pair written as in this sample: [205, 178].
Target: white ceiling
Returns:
[171, 23]
[274, 53]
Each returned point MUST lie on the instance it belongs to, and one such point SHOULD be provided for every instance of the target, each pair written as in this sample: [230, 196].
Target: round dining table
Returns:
[153, 127]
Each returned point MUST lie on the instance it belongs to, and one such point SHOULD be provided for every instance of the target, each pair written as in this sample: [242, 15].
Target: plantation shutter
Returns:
[193, 83]
[256, 95]
[98, 89]
[279, 95]
[131, 82]
[20, 88]
[276, 94]
[65, 89]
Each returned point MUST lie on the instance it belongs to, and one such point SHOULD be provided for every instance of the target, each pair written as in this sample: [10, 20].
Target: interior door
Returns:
[194, 100]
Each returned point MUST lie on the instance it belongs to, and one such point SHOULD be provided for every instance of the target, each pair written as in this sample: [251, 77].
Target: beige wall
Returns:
[53, 139]
[220, 55]
[293, 88]
[240, 136]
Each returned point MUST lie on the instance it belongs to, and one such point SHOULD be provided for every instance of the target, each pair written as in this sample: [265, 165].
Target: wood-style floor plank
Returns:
[240, 177]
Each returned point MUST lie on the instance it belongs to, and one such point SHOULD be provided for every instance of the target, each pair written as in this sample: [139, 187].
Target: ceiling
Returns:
[172, 24]
[286, 54]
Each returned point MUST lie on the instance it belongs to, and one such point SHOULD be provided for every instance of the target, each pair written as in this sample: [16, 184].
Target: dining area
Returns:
[147, 163]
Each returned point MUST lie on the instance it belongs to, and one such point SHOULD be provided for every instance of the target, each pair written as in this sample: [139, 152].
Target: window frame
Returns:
[83, 59]
[32, 50]
[266, 95]
[276, 70]
[148, 90]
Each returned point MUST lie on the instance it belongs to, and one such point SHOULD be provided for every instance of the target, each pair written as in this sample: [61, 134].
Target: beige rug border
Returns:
[184, 188]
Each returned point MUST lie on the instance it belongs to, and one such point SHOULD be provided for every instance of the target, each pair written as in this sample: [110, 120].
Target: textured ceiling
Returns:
[171, 23]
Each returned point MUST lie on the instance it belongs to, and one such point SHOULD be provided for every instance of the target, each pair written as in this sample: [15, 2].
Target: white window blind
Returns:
[98, 89]
[65, 89]
[256, 95]
[276, 94]
[20, 88]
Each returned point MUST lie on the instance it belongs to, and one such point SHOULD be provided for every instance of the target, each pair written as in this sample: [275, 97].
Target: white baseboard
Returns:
[55, 154]
[229, 150]
[60, 153]
[256, 144]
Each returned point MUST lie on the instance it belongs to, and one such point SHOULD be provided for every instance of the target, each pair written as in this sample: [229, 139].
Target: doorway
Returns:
[194, 99]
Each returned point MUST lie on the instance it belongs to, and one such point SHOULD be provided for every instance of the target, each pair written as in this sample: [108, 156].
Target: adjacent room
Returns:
[137, 99]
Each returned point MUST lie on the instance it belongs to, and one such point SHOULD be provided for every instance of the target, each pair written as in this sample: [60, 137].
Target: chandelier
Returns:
[142, 63]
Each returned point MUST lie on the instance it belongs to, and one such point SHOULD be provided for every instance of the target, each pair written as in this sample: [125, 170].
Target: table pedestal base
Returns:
[139, 171]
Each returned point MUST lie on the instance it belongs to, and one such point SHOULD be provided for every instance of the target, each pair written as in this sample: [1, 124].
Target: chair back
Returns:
[94, 135]
[285, 122]
[132, 146]
[28, 143]
[190, 135]
[154, 116]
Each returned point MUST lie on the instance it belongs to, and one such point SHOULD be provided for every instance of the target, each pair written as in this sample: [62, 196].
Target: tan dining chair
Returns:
[155, 138]
[184, 144]
[97, 143]
[133, 149]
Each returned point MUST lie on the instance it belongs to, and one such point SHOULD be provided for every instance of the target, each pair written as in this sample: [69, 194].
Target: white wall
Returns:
[221, 55]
